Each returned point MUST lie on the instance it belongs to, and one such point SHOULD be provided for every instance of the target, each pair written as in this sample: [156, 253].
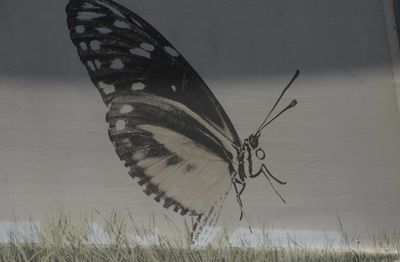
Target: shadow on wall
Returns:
[220, 39]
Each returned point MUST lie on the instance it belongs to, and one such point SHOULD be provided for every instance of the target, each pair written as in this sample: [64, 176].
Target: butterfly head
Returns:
[253, 142]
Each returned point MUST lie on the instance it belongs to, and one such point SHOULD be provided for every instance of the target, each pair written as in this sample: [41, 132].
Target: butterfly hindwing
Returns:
[162, 154]
[125, 55]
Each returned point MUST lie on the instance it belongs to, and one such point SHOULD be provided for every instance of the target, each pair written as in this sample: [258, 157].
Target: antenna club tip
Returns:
[297, 73]
[293, 103]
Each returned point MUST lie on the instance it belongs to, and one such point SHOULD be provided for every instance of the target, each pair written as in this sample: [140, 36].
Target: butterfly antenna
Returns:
[292, 104]
[296, 74]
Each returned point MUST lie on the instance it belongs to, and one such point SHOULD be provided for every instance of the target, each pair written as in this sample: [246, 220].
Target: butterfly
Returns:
[164, 122]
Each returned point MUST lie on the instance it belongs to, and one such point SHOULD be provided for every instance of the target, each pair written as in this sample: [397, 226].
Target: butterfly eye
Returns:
[253, 140]
[260, 154]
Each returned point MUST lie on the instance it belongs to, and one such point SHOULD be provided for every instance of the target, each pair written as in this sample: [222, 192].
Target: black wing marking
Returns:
[125, 55]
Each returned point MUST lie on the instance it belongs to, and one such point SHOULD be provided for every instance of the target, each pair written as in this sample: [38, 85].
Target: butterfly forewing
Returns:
[125, 55]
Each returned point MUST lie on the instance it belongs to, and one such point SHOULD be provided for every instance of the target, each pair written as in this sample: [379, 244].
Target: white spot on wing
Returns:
[86, 15]
[87, 5]
[113, 9]
[173, 87]
[127, 142]
[107, 89]
[138, 155]
[171, 51]
[95, 45]
[91, 65]
[80, 29]
[117, 64]
[138, 86]
[120, 125]
[120, 24]
[97, 63]
[147, 47]
[104, 30]
[83, 46]
[126, 109]
[140, 52]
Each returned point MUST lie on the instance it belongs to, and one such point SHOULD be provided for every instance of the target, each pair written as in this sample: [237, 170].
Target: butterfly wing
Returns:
[156, 138]
[163, 120]
[124, 54]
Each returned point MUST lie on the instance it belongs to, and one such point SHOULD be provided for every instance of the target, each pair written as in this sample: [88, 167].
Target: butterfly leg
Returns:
[264, 170]
[238, 194]
[243, 184]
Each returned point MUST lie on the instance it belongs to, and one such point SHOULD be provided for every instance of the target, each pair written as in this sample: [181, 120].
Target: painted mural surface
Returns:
[176, 110]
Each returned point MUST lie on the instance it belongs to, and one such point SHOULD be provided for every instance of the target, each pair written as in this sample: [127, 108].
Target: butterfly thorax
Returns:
[245, 154]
